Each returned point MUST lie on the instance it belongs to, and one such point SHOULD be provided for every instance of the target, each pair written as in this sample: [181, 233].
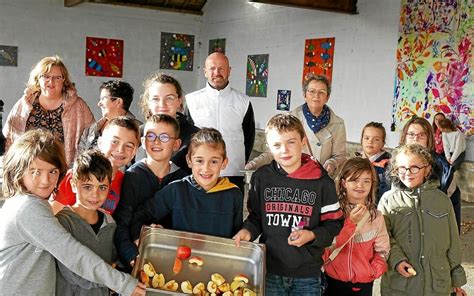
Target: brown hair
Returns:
[206, 136]
[125, 122]
[91, 162]
[43, 67]
[433, 124]
[166, 119]
[376, 125]
[319, 78]
[351, 170]
[447, 124]
[285, 123]
[157, 77]
[31, 145]
[426, 127]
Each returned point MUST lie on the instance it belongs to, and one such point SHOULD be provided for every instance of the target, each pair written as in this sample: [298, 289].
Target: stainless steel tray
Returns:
[220, 255]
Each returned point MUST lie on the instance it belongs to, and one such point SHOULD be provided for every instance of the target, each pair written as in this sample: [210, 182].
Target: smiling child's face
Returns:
[206, 163]
[41, 178]
[91, 193]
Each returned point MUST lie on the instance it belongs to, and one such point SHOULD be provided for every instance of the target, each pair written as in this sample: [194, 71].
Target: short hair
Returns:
[426, 127]
[351, 169]
[91, 162]
[319, 78]
[207, 136]
[285, 123]
[31, 145]
[377, 125]
[125, 122]
[43, 67]
[447, 124]
[433, 124]
[166, 119]
[157, 77]
[119, 89]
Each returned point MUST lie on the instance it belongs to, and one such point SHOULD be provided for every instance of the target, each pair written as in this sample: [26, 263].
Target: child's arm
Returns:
[252, 226]
[459, 146]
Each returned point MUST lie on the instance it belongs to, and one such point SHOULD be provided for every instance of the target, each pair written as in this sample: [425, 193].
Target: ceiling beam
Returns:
[148, 6]
[71, 3]
[343, 6]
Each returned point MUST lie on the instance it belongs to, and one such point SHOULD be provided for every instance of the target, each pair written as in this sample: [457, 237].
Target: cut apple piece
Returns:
[212, 287]
[241, 277]
[199, 289]
[158, 281]
[248, 292]
[235, 285]
[149, 269]
[225, 287]
[218, 279]
[177, 266]
[171, 286]
[239, 292]
[196, 260]
[144, 278]
[187, 287]
[227, 293]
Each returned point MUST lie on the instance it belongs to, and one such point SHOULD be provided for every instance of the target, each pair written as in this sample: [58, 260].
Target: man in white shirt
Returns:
[229, 111]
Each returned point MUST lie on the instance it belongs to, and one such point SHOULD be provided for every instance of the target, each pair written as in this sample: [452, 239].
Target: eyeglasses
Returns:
[319, 93]
[163, 137]
[46, 77]
[413, 169]
[167, 100]
[421, 135]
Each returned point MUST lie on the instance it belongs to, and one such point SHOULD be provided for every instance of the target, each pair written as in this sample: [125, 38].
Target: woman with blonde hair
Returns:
[50, 102]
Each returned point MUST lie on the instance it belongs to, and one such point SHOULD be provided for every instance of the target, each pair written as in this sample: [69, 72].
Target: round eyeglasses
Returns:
[163, 137]
[413, 169]
[46, 77]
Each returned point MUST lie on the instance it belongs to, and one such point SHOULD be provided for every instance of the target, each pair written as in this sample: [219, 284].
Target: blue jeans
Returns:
[282, 285]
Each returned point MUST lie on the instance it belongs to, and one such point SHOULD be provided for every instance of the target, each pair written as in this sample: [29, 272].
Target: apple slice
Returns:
[171, 286]
[241, 277]
[144, 278]
[217, 278]
[158, 281]
[177, 266]
[248, 292]
[196, 260]
[235, 285]
[187, 287]
[227, 293]
[149, 269]
[199, 289]
[225, 287]
[212, 287]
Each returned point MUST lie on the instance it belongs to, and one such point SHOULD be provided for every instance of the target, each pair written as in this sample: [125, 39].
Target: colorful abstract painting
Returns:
[217, 45]
[319, 57]
[283, 99]
[104, 57]
[257, 75]
[177, 51]
[8, 55]
[435, 67]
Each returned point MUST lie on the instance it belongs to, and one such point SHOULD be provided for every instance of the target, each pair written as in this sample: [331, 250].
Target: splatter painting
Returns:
[104, 57]
[257, 75]
[283, 99]
[217, 45]
[319, 57]
[177, 51]
[8, 55]
[434, 63]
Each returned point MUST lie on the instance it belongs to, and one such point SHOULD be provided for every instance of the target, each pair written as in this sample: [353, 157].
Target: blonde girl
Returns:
[425, 258]
[363, 241]
[31, 237]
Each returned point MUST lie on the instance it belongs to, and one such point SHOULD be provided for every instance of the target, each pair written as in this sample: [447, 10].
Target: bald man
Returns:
[220, 106]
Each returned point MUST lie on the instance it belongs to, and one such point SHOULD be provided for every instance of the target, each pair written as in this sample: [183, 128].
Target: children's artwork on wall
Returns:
[283, 100]
[257, 75]
[217, 45]
[177, 51]
[435, 67]
[319, 57]
[104, 57]
[8, 55]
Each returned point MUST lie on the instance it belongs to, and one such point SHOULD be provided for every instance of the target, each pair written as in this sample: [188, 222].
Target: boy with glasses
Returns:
[144, 178]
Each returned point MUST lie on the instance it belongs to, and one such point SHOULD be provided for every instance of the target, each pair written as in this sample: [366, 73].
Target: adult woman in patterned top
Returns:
[50, 102]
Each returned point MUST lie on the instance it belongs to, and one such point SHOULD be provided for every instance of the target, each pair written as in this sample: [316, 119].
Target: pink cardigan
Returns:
[75, 118]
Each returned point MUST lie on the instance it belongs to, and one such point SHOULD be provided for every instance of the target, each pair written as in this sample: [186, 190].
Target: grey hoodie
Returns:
[31, 237]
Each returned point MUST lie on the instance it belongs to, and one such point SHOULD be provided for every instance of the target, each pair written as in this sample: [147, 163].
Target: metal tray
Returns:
[220, 255]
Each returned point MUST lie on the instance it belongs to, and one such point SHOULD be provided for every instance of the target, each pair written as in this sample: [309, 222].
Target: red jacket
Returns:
[363, 258]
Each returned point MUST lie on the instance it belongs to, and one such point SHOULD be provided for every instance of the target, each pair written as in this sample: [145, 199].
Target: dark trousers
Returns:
[339, 288]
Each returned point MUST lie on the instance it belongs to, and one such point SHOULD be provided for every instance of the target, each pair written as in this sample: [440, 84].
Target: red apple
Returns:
[183, 252]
